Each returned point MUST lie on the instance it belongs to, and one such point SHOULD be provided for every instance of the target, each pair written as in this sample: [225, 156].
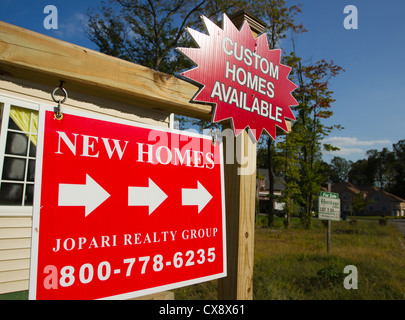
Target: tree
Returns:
[287, 163]
[379, 169]
[270, 158]
[361, 174]
[339, 170]
[398, 187]
[381, 164]
[146, 32]
[358, 203]
[280, 19]
[384, 169]
[315, 101]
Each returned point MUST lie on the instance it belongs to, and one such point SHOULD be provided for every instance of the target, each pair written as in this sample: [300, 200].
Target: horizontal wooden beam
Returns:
[32, 56]
[38, 58]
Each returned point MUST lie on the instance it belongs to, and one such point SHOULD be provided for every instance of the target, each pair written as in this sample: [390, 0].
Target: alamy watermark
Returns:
[190, 150]
[350, 281]
[351, 21]
[51, 20]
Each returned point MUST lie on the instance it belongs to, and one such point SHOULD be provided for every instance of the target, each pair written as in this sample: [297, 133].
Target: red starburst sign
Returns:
[242, 77]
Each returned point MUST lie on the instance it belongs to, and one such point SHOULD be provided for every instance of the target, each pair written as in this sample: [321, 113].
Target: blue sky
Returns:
[369, 94]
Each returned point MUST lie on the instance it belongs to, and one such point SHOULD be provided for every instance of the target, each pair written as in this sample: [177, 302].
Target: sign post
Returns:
[329, 209]
[123, 209]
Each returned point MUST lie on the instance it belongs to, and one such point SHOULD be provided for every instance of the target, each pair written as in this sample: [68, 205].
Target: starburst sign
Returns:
[242, 77]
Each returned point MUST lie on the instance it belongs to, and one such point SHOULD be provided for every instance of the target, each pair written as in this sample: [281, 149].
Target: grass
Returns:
[293, 263]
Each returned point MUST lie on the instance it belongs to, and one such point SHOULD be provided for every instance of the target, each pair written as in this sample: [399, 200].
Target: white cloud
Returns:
[352, 148]
[73, 26]
[347, 141]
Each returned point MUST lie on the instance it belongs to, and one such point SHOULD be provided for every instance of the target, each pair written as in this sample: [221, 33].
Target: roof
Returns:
[342, 186]
[390, 196]
[367, 190]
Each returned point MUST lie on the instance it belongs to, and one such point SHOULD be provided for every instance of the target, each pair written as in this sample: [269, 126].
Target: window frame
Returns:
[6, 102]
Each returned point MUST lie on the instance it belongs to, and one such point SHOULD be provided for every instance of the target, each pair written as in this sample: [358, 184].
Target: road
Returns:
[401, 227]
[400, 223]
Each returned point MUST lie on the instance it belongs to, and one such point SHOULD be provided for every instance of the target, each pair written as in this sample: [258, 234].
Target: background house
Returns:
[369, 200]
[263, 190]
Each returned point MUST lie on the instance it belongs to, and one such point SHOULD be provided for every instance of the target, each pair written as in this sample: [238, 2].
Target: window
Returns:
[17, 150]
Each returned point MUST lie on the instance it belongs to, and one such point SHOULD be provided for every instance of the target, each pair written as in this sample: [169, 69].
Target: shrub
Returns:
[331, 275]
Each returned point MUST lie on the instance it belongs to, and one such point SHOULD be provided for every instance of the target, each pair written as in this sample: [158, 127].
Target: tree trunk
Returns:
[271, 182]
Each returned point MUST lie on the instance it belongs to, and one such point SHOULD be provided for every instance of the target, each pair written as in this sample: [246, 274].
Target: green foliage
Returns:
[398, 186]
[384, 169]
[147, 32]
[315, 99]
[358, 203]
[339, 170]
[298, 156]
[284, 158]
[331, 275]
[279, 18]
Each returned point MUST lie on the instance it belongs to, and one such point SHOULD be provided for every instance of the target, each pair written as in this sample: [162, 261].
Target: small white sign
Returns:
[329, 207]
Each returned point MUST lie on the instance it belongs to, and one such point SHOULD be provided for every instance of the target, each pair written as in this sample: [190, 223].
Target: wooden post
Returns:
[240, 189]
[328, 236]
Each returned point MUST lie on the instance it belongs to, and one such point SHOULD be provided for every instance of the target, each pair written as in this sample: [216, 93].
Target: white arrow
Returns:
[196, 197]
[151, 196]
[89, 195]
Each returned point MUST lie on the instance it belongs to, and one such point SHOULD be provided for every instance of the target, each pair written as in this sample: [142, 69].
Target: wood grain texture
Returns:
[240, 188]
[32, 56]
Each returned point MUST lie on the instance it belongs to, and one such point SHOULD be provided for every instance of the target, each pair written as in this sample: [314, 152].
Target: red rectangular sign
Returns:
[123, 209]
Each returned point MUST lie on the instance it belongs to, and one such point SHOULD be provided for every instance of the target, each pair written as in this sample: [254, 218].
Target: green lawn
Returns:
[293, 263]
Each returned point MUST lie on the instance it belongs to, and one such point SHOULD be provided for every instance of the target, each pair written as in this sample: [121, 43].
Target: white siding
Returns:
[15, 242]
